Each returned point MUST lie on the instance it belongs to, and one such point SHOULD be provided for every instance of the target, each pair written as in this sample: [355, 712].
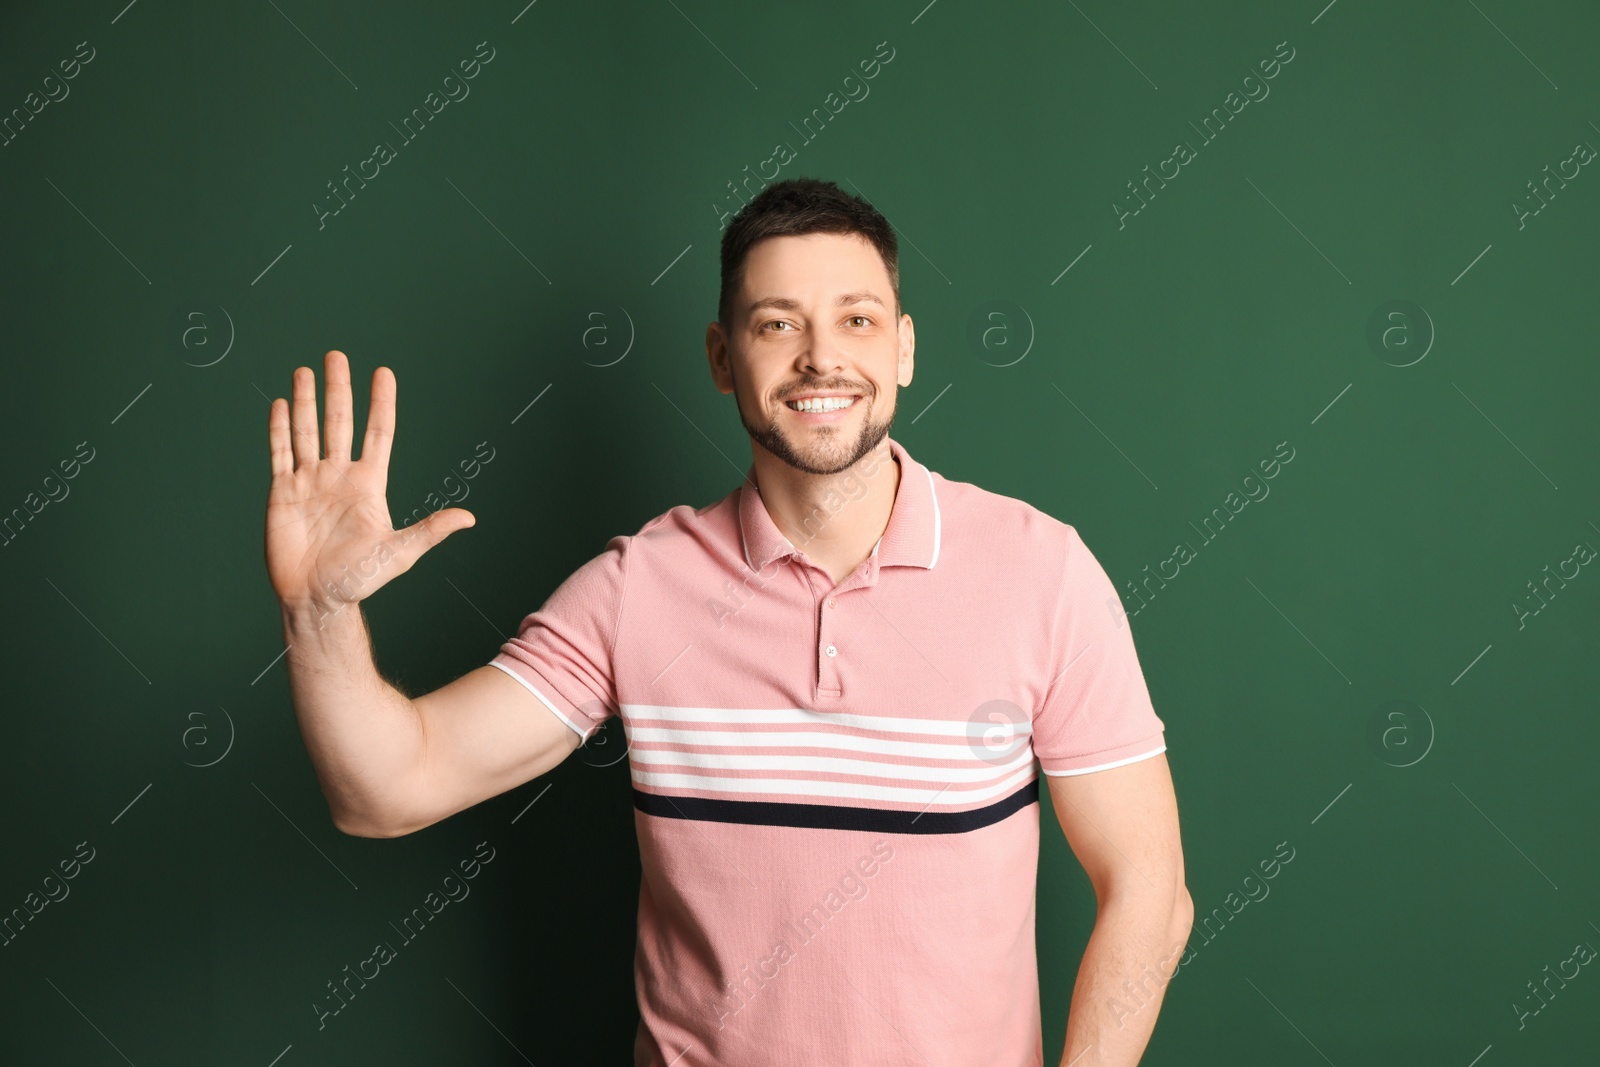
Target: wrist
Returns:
[310, 620]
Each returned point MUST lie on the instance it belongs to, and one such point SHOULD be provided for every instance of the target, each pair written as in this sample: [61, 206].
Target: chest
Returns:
[899, 642]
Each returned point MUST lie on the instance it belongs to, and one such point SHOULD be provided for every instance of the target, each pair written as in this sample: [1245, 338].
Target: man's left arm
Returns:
[1122, 824]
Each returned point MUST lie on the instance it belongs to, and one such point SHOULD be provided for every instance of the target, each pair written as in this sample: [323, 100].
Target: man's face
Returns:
[814, 318]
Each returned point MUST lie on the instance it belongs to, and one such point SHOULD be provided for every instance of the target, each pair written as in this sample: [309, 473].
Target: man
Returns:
[834, 682]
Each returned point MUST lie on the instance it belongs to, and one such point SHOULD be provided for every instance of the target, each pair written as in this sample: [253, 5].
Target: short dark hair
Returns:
[799, 206]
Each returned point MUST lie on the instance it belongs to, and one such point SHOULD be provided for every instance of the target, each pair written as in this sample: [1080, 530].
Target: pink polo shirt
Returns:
[835, 787]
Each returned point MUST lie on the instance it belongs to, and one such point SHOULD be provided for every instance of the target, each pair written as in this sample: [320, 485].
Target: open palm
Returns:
[329, 538]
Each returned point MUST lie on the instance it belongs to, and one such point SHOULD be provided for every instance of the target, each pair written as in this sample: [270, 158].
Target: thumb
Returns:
[417, 538]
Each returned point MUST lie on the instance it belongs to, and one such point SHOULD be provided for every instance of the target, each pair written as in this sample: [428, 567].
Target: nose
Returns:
[820, 357]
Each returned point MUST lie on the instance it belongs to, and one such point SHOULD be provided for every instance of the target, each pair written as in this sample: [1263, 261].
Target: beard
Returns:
[823, 449]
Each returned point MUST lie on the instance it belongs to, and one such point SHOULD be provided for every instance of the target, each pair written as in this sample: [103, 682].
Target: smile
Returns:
[821, 404]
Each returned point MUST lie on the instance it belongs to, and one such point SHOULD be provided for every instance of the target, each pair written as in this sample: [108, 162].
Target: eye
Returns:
[774, 322]
[863, 318]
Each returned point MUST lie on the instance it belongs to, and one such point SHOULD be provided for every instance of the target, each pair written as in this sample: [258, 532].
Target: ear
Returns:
[717, 354]
[908, 348]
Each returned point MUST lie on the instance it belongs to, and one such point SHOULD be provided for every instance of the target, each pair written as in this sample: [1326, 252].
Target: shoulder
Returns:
[1017, 546]
[1002, 523]
[685, 530]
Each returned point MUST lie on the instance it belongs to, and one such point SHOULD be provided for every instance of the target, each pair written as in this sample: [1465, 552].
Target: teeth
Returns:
[824, 403]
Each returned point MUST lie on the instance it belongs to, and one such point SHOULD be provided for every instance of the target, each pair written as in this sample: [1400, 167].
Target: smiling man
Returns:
[839, 685]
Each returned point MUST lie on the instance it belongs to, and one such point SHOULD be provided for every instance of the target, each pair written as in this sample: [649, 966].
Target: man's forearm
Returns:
[363, 734]
[1132, 952]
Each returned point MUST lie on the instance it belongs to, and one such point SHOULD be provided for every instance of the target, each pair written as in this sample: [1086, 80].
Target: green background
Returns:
[1442, 858]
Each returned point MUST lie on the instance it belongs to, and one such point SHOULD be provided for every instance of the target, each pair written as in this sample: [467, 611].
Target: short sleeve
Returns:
[1096, 713]
[562, 653]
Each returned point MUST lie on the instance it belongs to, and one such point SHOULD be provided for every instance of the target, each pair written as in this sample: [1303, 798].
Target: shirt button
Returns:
[832, 651]
[833, 603]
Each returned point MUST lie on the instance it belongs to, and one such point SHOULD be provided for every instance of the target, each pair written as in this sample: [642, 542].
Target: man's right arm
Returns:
[389, 764]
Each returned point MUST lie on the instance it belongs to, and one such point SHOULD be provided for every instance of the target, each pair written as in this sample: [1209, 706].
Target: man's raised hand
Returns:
[329, 538]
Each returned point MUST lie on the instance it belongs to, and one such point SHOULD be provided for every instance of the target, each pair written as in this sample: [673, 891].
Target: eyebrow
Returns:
[784, 303]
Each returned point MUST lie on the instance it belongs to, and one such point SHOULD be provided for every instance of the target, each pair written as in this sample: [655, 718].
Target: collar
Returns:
[911, 537]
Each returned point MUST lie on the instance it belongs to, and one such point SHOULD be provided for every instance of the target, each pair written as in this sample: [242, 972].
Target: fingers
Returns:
[380, 419]
[336, 413]
[278, 438]
[305, 416]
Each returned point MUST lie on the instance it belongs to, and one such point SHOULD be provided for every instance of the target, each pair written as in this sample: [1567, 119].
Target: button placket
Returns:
[826, 650]
[828, 609]
[824, 609]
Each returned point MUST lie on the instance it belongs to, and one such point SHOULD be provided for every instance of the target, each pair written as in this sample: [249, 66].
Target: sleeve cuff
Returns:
[559, 706]
[1105, 759]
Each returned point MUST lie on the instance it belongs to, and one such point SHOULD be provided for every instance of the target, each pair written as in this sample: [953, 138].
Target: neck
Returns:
[833, 519]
